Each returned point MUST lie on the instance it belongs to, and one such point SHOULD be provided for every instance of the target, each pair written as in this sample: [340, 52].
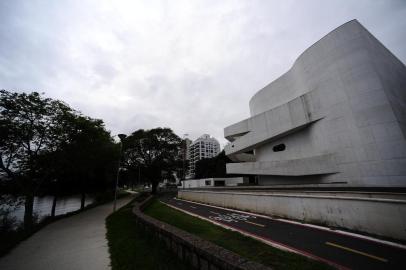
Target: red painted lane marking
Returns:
[304, 253]
[311, 226]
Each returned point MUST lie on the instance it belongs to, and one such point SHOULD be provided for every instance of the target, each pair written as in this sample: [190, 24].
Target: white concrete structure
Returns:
[379, 214]
[337, 117]
[214, 182]
[203, 147]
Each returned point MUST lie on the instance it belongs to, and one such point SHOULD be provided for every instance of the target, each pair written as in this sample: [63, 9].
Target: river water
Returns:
[43, 206]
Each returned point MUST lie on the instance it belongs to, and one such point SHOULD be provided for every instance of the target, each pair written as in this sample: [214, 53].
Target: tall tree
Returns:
[45, 142]
[89, 155]
[29, 128]
[212, 167]
[157, 151]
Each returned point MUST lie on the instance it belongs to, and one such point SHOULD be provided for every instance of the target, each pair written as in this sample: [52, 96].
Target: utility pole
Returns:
[184, 156]
[121, 137]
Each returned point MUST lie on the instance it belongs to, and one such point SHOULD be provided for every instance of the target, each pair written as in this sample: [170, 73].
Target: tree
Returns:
[43, 142]
[212, 167]
[156, 151]
[29, 130]
[89, 156]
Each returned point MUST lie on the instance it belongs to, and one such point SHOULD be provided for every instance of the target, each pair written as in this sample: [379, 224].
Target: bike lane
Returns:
[343, 251]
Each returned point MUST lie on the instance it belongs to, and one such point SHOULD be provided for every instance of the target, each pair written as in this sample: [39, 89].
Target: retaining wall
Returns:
[384, 216]
[193, 250]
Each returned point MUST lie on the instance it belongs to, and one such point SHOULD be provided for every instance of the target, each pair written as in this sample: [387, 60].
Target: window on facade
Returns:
[208, 182]
[279, 147]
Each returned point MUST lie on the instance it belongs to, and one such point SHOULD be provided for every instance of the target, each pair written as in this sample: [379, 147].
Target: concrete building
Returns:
[323, 137]
[203, 147]
[186, 157]
[336, 118]
[214, 182]
[188, 142]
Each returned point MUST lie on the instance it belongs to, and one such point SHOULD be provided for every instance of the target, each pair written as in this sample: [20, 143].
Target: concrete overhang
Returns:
[270, 125]
[323, 164]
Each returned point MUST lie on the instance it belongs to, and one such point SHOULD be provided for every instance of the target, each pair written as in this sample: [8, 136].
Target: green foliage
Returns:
[45, 143]
[131, 248]
[231, 240]
[30, 129]
[212, 167]
[156, 151]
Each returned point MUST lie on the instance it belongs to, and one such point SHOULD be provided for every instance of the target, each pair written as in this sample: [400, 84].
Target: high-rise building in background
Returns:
[203, 147]
[186, 156]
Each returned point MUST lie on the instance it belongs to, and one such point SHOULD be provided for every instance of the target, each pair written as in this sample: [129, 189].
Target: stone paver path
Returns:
[77, 242]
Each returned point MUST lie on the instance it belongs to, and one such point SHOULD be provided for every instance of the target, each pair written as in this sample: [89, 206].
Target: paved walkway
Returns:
[77, 242]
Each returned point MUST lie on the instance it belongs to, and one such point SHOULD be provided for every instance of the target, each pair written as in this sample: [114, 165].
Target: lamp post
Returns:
[121, 137]
[184, 157]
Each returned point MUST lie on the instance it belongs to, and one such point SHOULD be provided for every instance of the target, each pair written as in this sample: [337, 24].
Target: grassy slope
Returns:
[131, 248]
[245, 246]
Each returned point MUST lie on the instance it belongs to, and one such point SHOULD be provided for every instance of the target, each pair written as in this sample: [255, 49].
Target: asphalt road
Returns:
[336, 248]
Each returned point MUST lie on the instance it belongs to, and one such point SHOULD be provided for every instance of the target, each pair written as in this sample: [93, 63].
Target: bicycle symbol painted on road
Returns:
[233, 217]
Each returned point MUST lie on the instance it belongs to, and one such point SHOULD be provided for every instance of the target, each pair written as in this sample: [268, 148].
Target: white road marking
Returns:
[357, 252]
[335, 231]
[256, 224]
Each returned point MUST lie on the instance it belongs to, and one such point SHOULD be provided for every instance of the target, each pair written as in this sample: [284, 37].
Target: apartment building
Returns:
[203, 147]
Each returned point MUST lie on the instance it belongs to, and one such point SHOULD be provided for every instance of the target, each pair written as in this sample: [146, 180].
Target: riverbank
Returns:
[77, 242]
[11, 239]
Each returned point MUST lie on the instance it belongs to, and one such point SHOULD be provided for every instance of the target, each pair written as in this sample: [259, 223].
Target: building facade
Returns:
[336, 118]
[214, 182]
[203, 147]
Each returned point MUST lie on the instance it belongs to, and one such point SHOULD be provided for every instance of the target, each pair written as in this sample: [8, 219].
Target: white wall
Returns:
[352, 92]
[385, 216]
[199, 183]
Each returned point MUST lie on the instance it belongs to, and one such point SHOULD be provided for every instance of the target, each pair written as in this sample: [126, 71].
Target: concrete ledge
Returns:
[271, 125]
[198, 253]
[322, 164]
[379, 216]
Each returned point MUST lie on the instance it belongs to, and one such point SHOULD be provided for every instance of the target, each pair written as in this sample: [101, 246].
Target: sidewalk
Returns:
[77, 242]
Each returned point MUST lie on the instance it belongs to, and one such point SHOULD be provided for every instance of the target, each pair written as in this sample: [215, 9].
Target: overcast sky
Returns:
[188, 65]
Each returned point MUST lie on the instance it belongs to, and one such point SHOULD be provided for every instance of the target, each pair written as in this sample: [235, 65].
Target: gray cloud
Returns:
[188, 65]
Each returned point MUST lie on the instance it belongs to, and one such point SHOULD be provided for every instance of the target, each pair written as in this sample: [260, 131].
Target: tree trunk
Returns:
[154, 185]
[54, 206]
[82, 201]
[28, 211]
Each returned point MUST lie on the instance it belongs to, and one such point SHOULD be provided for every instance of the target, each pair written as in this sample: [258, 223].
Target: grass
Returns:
[234, 241]
[131, 248]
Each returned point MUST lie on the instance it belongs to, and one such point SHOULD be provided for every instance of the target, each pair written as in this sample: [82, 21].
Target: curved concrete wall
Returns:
[344, 97]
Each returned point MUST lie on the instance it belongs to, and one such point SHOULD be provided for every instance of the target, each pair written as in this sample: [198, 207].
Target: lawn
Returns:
[231, 240]
[131, 248]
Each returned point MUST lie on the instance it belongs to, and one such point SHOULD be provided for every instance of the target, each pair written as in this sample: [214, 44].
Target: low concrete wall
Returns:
[379, 216]
[198, 253]
[210, 182]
